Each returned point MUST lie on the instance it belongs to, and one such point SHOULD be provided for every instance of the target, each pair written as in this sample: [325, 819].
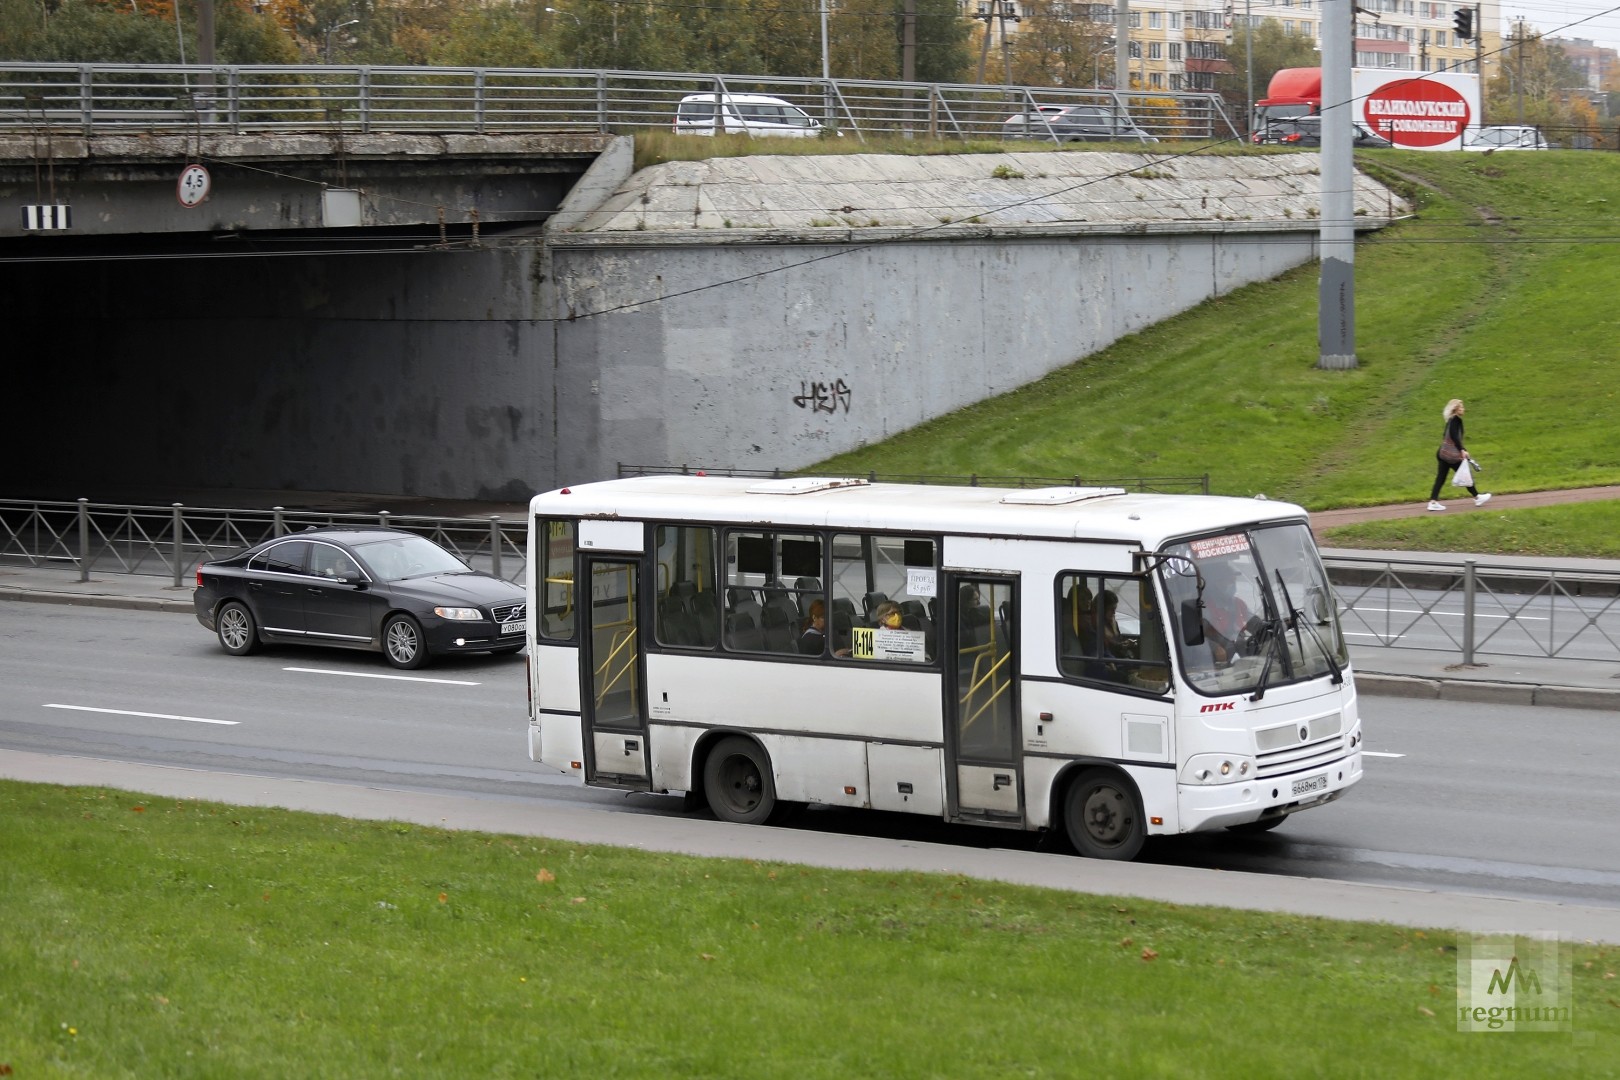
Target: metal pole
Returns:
[84, 539]
[1122, 45]
[179, 542]
[1518, 54]
[826, 70]
[1468, 611]
[1248, 63]
[278, 524]
[495, 544]
[1336, 287]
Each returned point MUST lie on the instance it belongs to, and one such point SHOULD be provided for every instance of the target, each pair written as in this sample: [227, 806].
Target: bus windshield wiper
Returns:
[1273, 629]
[1299, 620]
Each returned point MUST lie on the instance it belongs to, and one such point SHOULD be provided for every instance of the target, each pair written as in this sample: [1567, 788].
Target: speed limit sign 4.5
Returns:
[194, 185]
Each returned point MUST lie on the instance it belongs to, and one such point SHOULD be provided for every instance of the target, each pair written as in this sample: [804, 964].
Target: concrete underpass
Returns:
[753, 312]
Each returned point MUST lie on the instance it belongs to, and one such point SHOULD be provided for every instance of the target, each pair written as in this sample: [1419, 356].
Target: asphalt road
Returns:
[1487, 800]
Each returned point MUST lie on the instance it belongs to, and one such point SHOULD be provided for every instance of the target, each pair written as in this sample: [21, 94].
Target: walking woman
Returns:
[1452, 454]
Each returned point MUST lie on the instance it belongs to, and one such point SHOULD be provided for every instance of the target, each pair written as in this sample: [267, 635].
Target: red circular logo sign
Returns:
[1416, 112]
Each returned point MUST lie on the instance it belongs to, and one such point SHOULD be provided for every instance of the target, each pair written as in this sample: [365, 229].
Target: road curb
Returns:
[134, 603]
[1373, 684]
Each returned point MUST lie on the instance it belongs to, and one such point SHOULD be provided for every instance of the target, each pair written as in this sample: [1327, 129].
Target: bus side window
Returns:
[1110, 631]
[554, 583]
[686, 612]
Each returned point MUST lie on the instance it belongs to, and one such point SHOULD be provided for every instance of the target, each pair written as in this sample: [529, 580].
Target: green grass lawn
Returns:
[154, 937]
[1496, 291]
[1581, 530]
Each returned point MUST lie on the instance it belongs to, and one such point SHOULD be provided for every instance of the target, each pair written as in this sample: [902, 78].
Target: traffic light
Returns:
[1462, 21]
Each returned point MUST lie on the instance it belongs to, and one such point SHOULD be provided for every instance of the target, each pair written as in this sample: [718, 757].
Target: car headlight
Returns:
[1217, 769]
[458, 614]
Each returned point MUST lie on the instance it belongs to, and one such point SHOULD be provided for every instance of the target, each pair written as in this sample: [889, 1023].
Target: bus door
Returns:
[984, 765]
[615, 697]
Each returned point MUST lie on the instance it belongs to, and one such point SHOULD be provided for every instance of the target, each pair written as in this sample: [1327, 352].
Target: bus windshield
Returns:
[1252, 609]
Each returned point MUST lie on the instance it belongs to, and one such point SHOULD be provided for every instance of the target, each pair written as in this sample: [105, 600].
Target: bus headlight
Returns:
[458, 614]
[1217, 769]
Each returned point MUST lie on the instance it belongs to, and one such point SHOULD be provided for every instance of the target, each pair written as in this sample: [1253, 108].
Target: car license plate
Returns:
[517, 626]
[1310, 784]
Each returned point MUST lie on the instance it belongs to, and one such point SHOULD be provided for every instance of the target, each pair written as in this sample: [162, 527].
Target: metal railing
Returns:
[91, 99]
[1467, 607]
[169, 541]
[1479, 608]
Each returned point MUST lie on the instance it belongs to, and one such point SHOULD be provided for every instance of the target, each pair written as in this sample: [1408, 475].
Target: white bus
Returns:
[1115, 665]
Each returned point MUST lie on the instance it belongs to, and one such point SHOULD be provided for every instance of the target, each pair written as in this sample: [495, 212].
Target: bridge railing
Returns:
[91, 99]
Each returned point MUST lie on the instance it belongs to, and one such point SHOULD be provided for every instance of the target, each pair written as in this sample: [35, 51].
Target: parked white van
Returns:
[755, 114]
[1504, 137]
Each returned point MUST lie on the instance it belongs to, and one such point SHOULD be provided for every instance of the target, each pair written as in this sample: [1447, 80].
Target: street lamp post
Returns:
[578, 25]
[334, 28]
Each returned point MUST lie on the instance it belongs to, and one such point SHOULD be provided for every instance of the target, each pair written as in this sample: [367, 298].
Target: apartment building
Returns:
[1183, 45]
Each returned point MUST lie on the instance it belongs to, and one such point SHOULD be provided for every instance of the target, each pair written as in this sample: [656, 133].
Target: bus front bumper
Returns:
[1217, 806]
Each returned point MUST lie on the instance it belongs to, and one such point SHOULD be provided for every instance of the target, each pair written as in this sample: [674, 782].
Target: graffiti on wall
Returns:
[823, 396]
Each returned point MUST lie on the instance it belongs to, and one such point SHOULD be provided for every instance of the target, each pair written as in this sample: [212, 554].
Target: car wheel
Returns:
[737, 782]
[1103, 817]
[237, 633]
[402, 642]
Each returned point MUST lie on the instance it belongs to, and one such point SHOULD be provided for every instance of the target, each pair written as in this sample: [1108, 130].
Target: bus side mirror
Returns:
[1192, 622]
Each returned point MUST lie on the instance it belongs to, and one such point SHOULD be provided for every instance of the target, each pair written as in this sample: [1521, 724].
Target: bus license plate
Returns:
[1310, 784]
[517, 626]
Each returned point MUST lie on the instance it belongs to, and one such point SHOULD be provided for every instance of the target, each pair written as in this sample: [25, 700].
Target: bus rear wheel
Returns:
[737, 782]
[1103, 816]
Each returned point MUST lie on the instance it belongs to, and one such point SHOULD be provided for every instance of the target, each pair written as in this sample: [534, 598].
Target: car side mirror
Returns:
[1192, 622]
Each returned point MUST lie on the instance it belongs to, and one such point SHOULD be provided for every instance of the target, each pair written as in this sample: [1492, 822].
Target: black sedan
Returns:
[385, 590]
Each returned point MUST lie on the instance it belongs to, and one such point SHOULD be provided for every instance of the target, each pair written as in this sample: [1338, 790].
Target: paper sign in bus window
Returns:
[882, 643]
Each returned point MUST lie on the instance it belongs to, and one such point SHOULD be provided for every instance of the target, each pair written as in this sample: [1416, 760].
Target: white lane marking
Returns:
[379, 675]
[1378, 753]
[1448, 614]
[149, 715]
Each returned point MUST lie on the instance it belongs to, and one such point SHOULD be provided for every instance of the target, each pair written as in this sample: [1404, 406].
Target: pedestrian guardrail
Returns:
[1479, 608]
[169, 541]
[92, 99]
[1469, 607]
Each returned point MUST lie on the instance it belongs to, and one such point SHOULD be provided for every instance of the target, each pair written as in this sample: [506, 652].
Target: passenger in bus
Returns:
[813, 639]
[887, 615]
[1115, 644]
[1226, 616]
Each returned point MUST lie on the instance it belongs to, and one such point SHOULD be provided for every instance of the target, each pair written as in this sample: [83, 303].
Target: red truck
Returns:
[1417, 110]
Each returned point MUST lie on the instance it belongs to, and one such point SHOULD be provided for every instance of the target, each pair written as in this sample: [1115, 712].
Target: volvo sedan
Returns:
[383, 590]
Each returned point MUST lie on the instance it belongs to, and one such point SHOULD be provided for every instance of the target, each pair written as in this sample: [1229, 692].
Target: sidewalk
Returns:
[1393, 672]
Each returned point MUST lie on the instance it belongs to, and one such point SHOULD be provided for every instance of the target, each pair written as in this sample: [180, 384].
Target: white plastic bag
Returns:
[1464, 476]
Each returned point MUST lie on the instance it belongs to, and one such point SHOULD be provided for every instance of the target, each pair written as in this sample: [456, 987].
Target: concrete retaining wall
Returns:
[493, 372]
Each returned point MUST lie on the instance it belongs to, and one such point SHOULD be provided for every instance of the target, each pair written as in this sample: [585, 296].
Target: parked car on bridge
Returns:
[1307, 131]
[1504, 137]
[1074, 123]
[377, 589]
[737, 114]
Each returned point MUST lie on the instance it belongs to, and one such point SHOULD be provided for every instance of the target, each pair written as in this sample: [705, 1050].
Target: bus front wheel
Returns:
[737, 781]
[1103, 816]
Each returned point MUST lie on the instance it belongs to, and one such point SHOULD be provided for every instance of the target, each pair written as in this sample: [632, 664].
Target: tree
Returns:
[1272, 50]
[1531, 85]
[1056, 48]
[943, 52]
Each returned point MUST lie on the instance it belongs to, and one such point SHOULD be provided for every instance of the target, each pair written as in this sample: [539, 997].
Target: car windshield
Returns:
[408, 555]
[1265, 615]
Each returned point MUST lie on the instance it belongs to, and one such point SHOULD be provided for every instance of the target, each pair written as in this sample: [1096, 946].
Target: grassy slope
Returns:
[1499, 291]
[150, 937]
